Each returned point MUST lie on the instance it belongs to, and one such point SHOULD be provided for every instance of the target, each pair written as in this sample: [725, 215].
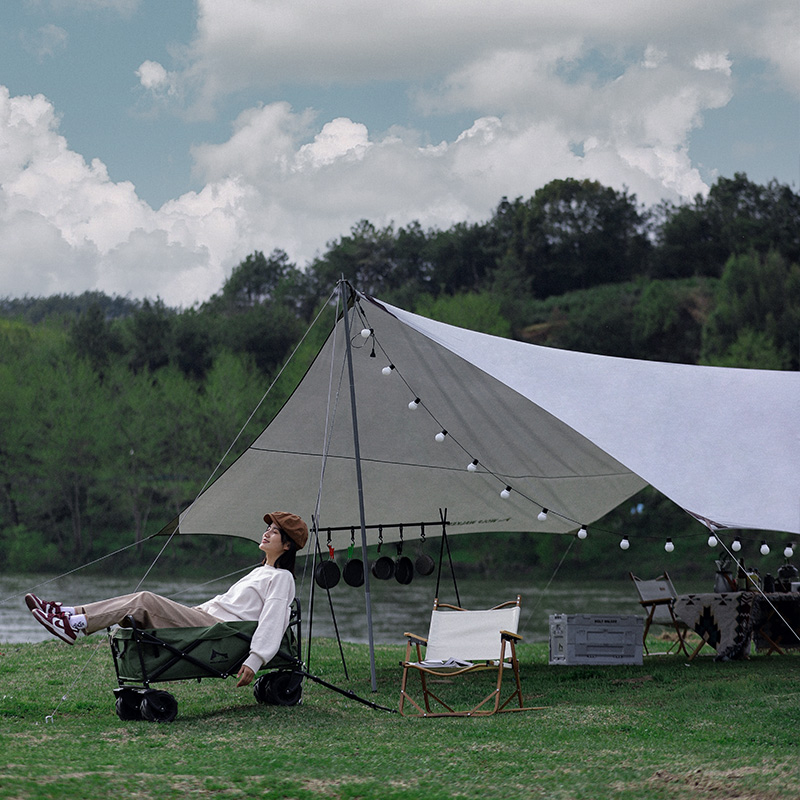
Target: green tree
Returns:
[737, 217]
[478, 311]
[756, 314]
[92, 337]
[573, 235]
[147, 336]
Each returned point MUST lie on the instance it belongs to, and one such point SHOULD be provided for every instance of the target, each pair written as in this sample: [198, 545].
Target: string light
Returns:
[669, 546]
[764, 548]
[440, 436]
[506, 493]
[736, 546]
[712, 541]
[414, 404]
[473, 465]
[388, 369]
[542, 516]
[624, 544]
[366, 333]
[788, 551]
[582, 532]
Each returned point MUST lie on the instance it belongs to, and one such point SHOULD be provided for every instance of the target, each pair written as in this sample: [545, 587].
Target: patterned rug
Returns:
[724, 620]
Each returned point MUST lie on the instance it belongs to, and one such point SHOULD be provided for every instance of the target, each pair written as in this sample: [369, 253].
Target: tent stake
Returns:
[357, 452]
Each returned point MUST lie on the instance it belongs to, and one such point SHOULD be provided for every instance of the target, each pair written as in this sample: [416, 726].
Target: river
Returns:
[395, 608]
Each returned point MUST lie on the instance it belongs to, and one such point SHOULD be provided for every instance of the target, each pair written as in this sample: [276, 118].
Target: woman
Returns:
[264, 595]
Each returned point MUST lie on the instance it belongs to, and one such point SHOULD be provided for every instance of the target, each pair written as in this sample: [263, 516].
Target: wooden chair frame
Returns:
[653, 603]
[492, 703]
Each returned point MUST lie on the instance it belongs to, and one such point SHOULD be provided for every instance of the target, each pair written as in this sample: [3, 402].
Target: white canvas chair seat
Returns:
[657, 597]
[459, 642]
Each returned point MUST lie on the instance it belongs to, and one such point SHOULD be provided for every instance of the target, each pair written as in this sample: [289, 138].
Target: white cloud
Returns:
[608, 91]
[152, 75]
[263, 43]
[45, 42]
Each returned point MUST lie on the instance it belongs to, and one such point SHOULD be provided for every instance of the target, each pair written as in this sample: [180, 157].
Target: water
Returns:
[395, 608]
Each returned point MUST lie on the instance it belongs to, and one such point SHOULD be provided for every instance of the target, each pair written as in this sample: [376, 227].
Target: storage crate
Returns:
[595, 639]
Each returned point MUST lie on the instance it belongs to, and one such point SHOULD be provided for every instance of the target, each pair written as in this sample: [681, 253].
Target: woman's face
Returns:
[271, 542]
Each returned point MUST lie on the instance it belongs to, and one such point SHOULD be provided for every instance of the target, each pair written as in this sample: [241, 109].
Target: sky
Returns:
[147, 147]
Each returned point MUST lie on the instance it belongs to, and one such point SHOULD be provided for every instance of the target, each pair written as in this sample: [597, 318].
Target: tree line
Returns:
[114, 412]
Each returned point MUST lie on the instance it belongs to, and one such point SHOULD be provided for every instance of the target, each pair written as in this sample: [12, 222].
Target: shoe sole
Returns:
[44, 606]
[49, 622]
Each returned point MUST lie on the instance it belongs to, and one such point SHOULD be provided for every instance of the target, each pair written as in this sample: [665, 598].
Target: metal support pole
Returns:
[357, 450]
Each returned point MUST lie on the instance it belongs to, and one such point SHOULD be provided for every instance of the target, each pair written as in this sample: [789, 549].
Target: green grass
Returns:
[662, 730]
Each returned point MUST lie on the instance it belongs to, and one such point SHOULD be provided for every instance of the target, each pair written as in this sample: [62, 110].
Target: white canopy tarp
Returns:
[573, 433]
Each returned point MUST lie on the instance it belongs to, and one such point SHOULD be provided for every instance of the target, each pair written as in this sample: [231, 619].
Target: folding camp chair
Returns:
[658, 596]
[460, 642]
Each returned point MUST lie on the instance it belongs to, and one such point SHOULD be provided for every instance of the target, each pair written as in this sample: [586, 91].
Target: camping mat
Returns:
[217, 645]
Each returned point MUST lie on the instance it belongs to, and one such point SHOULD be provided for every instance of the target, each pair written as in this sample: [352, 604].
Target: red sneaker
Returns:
[45, 606]
[57, 624]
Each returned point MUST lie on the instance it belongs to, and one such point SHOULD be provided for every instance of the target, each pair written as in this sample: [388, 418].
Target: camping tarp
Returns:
[573, 433]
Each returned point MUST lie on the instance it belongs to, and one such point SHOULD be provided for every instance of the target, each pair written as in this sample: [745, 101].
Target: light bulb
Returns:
[712, 541]
[737, 545]
[624, 544]
[788, 551]
[414, 404]
[440, 436]
[582, 532]
[506, 493]
[764, 548]
[669, 546]
[542, 516]
[473, 465]
[365, 333]
[388, 369]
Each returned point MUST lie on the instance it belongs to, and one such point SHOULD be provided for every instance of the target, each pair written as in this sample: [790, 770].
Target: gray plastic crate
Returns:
[595, 639]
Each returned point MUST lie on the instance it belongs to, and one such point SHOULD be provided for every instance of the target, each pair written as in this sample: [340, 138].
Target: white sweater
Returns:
[263, 595]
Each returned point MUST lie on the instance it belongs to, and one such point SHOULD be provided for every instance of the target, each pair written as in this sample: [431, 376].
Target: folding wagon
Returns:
[143, 657]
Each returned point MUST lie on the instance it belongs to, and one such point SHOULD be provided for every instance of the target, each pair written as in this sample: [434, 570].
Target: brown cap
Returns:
[291, 525]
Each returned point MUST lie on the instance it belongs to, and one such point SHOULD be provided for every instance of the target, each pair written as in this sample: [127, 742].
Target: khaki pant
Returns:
[148, 611]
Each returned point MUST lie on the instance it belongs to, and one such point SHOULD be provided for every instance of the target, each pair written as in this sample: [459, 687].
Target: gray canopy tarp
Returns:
[573, 433]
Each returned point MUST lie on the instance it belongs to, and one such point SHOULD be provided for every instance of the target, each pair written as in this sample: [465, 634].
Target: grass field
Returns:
[662, 730]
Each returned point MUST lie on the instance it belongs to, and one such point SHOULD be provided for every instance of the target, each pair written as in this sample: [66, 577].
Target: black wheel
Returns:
[279, 688]
[159, 706]
[261, 688]
[285, 689]
[128, 705]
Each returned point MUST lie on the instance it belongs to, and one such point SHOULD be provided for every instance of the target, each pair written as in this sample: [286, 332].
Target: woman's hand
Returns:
[245, 675]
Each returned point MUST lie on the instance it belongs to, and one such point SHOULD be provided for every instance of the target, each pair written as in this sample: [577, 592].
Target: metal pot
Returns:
[424, 564]
[353, 572]
[383, 568]
[327, 574]
[403, 570]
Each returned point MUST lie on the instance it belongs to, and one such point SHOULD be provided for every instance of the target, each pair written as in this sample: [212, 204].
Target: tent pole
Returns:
[357, 451]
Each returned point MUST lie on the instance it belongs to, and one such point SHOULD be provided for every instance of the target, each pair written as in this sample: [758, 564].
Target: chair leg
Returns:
[681, 634]
[703, 643]
[647, 624]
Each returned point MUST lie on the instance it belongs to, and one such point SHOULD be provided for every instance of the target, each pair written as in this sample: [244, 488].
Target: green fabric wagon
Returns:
[143, 657]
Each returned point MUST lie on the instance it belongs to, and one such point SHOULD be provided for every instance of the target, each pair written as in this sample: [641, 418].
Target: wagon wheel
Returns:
[261, 688]
[279, 689]
[285, 688]
[128, 705]
[159, 706]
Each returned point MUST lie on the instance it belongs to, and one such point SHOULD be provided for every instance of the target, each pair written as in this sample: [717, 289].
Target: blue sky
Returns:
[146, 147]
